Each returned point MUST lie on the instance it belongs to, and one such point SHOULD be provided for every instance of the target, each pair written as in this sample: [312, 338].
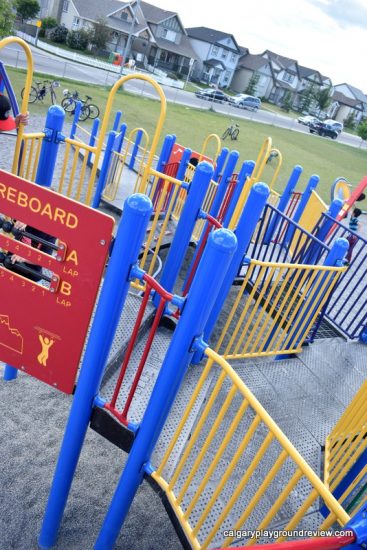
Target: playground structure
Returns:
[289, 274]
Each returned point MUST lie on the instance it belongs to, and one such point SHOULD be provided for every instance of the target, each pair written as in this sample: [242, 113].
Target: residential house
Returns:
[50, 8]
[347, 101]
[312, 80]
[217, 53]
[171, 50]
[248, 67]
[285, 77]
[157, 37]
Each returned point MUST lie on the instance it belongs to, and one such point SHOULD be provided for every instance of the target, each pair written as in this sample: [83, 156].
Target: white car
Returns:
[307, 120]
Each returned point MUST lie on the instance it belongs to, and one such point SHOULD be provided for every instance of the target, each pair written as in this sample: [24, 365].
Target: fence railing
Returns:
[347, 308]
[74, 181]
[275, 306]
[228, 476]
[344, 448]
[30, 154]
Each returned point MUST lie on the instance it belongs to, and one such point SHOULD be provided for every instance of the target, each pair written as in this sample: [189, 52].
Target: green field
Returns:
[328, 159]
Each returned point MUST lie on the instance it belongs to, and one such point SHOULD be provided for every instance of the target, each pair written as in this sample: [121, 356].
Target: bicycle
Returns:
[41, 89]
[88, 110]
[233, 130]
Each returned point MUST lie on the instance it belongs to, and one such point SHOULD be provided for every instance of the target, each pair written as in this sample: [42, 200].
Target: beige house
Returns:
[347, 101]
[248, 66]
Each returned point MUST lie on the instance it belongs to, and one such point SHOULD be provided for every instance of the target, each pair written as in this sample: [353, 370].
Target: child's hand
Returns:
[16, 258]
[22, 118]
[20, 225]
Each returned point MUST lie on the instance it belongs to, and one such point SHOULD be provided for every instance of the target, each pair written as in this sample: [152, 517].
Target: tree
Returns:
[323, 98]
[287, 101]
[59, 34]
[6, 18]
[307, 97]
[26, 9]
[252, 85]
[78, 40]
[350, 121]
[362, 130]
[47, 23]
[100, 33]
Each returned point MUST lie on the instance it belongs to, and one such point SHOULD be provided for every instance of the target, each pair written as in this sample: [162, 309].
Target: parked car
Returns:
[307, 120]
[212, 95]
[323, 129]
[338, 126]
[245, 101]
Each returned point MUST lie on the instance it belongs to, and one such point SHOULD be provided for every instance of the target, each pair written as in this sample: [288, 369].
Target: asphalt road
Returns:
[48, 63]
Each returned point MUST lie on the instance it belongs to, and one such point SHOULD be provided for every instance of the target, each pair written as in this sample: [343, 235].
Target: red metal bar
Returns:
[153, 284]
[211, 222]
[111, 406]
[144, 357]
[227, 198]
[317, 543]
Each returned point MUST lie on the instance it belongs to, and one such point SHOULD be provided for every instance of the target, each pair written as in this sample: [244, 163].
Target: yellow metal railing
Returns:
[274, 309]
[208, 139]
[73, 181]
[207, 203]
[31, 150]
[346, 443]
[228, 476]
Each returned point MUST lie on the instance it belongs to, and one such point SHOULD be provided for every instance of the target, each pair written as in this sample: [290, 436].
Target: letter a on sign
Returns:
[43, 325]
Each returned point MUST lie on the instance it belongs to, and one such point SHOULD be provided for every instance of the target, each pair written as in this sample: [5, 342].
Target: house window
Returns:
[288, 77]
[76, 22]
[123, 15]
[227, 76]
[224, 54]
[233, 58]
[65, 6]
[168, 35]
[215, 50]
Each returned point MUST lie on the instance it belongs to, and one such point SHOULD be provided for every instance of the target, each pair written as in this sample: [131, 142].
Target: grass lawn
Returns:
[328, 159]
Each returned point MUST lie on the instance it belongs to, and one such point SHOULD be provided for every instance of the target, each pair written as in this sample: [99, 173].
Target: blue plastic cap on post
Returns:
[55, 117]
[261, 189]
[335, 207]
[139, 203]
[337, 252]
[223, 239]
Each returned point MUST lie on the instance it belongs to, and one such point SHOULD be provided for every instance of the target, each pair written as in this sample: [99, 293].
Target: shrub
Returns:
[59, 34]
[47, 23]
[78, 40]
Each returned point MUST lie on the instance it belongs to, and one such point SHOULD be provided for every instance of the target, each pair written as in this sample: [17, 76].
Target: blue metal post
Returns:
[9, 89]
[2, 85]
[92, 139]
[203, 293]
[245, 172]
[104, 169]
[220, 163]
[246, 226]
[165, 153]
[358, 524]
[120, 138]
[139, 135]
[184, 162]
[333, 259]
[128, 242]
[283, 202]
[117, 121]
[185, 227]
[222, 187]
[312, 184]
[50, 145]
[73, 128]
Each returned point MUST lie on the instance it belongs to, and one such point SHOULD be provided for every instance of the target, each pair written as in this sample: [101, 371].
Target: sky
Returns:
[327, 35]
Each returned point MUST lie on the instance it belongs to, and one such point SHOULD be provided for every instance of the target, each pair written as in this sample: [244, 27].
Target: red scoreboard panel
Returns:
[43, 328]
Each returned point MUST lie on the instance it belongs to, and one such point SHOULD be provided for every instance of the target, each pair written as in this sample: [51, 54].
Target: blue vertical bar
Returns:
[138, 138]
[314, 251]
[245, 228]
[222, 187]
[50, 145]
[120, 138]
[104, 169]
[78, 108]
[165, 153]
[220, 163]
[92, 139]
[117, 121]
[128, 242]
[203, 293]
[245, 172]
[283, 202]
[184, 162]
[185, 227]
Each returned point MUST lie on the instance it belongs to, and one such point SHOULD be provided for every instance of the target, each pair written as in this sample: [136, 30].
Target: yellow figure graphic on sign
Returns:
[46, 343]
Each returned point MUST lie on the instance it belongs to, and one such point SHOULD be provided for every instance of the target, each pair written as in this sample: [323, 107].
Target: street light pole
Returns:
[130, 37]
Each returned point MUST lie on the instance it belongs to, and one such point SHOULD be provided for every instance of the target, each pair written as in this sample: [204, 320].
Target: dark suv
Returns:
[323, 129]
[212, 95]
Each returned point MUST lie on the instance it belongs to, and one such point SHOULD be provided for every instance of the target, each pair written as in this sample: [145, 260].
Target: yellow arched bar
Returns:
[211, 137]
[258, 170]
[28, 83]
[106, 117]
